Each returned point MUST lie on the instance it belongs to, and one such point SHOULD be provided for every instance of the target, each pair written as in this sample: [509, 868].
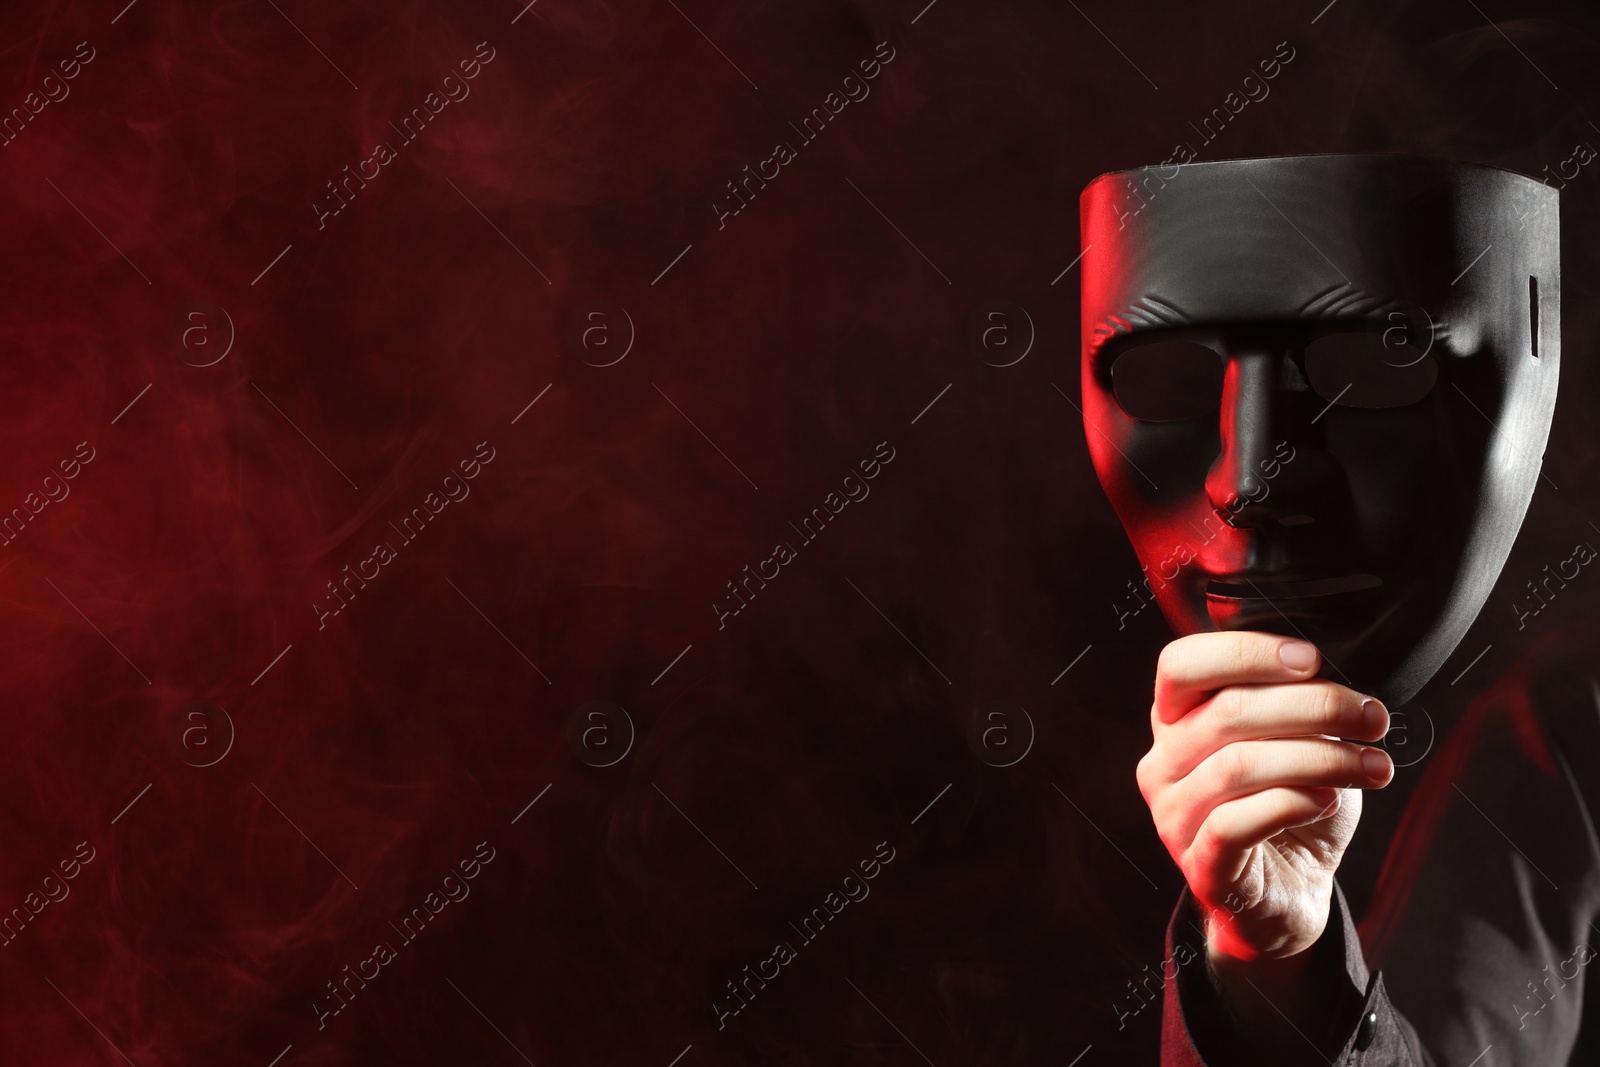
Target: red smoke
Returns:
[181, 174]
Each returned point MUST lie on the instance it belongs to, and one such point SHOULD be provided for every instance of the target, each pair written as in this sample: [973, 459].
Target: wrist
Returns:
[1277, 996]
[1235, 973]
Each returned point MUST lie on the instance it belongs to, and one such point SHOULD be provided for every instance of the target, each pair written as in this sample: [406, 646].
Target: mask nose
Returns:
[1258, 390]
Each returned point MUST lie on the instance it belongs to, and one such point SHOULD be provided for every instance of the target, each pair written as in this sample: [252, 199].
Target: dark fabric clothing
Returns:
[1474, 947]
[1213, 1037]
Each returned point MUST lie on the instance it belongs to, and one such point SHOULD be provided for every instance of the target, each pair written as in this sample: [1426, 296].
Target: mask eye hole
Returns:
[1364, 370]
[1167, 381]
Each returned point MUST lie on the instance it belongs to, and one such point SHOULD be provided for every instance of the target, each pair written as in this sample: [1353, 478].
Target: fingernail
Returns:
[1376, 763]
[1375, 715]
[1298, 655]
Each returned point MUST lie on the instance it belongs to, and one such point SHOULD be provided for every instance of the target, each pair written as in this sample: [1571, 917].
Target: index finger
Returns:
[1192, 668]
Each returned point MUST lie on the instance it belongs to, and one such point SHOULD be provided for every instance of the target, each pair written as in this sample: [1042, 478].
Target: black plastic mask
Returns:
[1317, 391]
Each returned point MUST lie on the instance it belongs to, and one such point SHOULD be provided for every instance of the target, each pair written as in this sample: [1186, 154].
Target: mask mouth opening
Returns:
[1265, 588]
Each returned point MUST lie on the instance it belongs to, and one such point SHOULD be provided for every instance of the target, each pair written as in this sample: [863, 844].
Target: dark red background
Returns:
[796, 338]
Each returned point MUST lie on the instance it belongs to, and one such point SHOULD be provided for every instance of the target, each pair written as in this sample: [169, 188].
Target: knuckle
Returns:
[1234, 764]
[1142, 775]
[1207, 843]
[1172, 661]
[1340, 760]
[1241, 654]
[1331, 704]
[1232, 709]
[1355, 769]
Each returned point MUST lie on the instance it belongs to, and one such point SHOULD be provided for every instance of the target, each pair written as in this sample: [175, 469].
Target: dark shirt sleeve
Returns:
[1363, 1028]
